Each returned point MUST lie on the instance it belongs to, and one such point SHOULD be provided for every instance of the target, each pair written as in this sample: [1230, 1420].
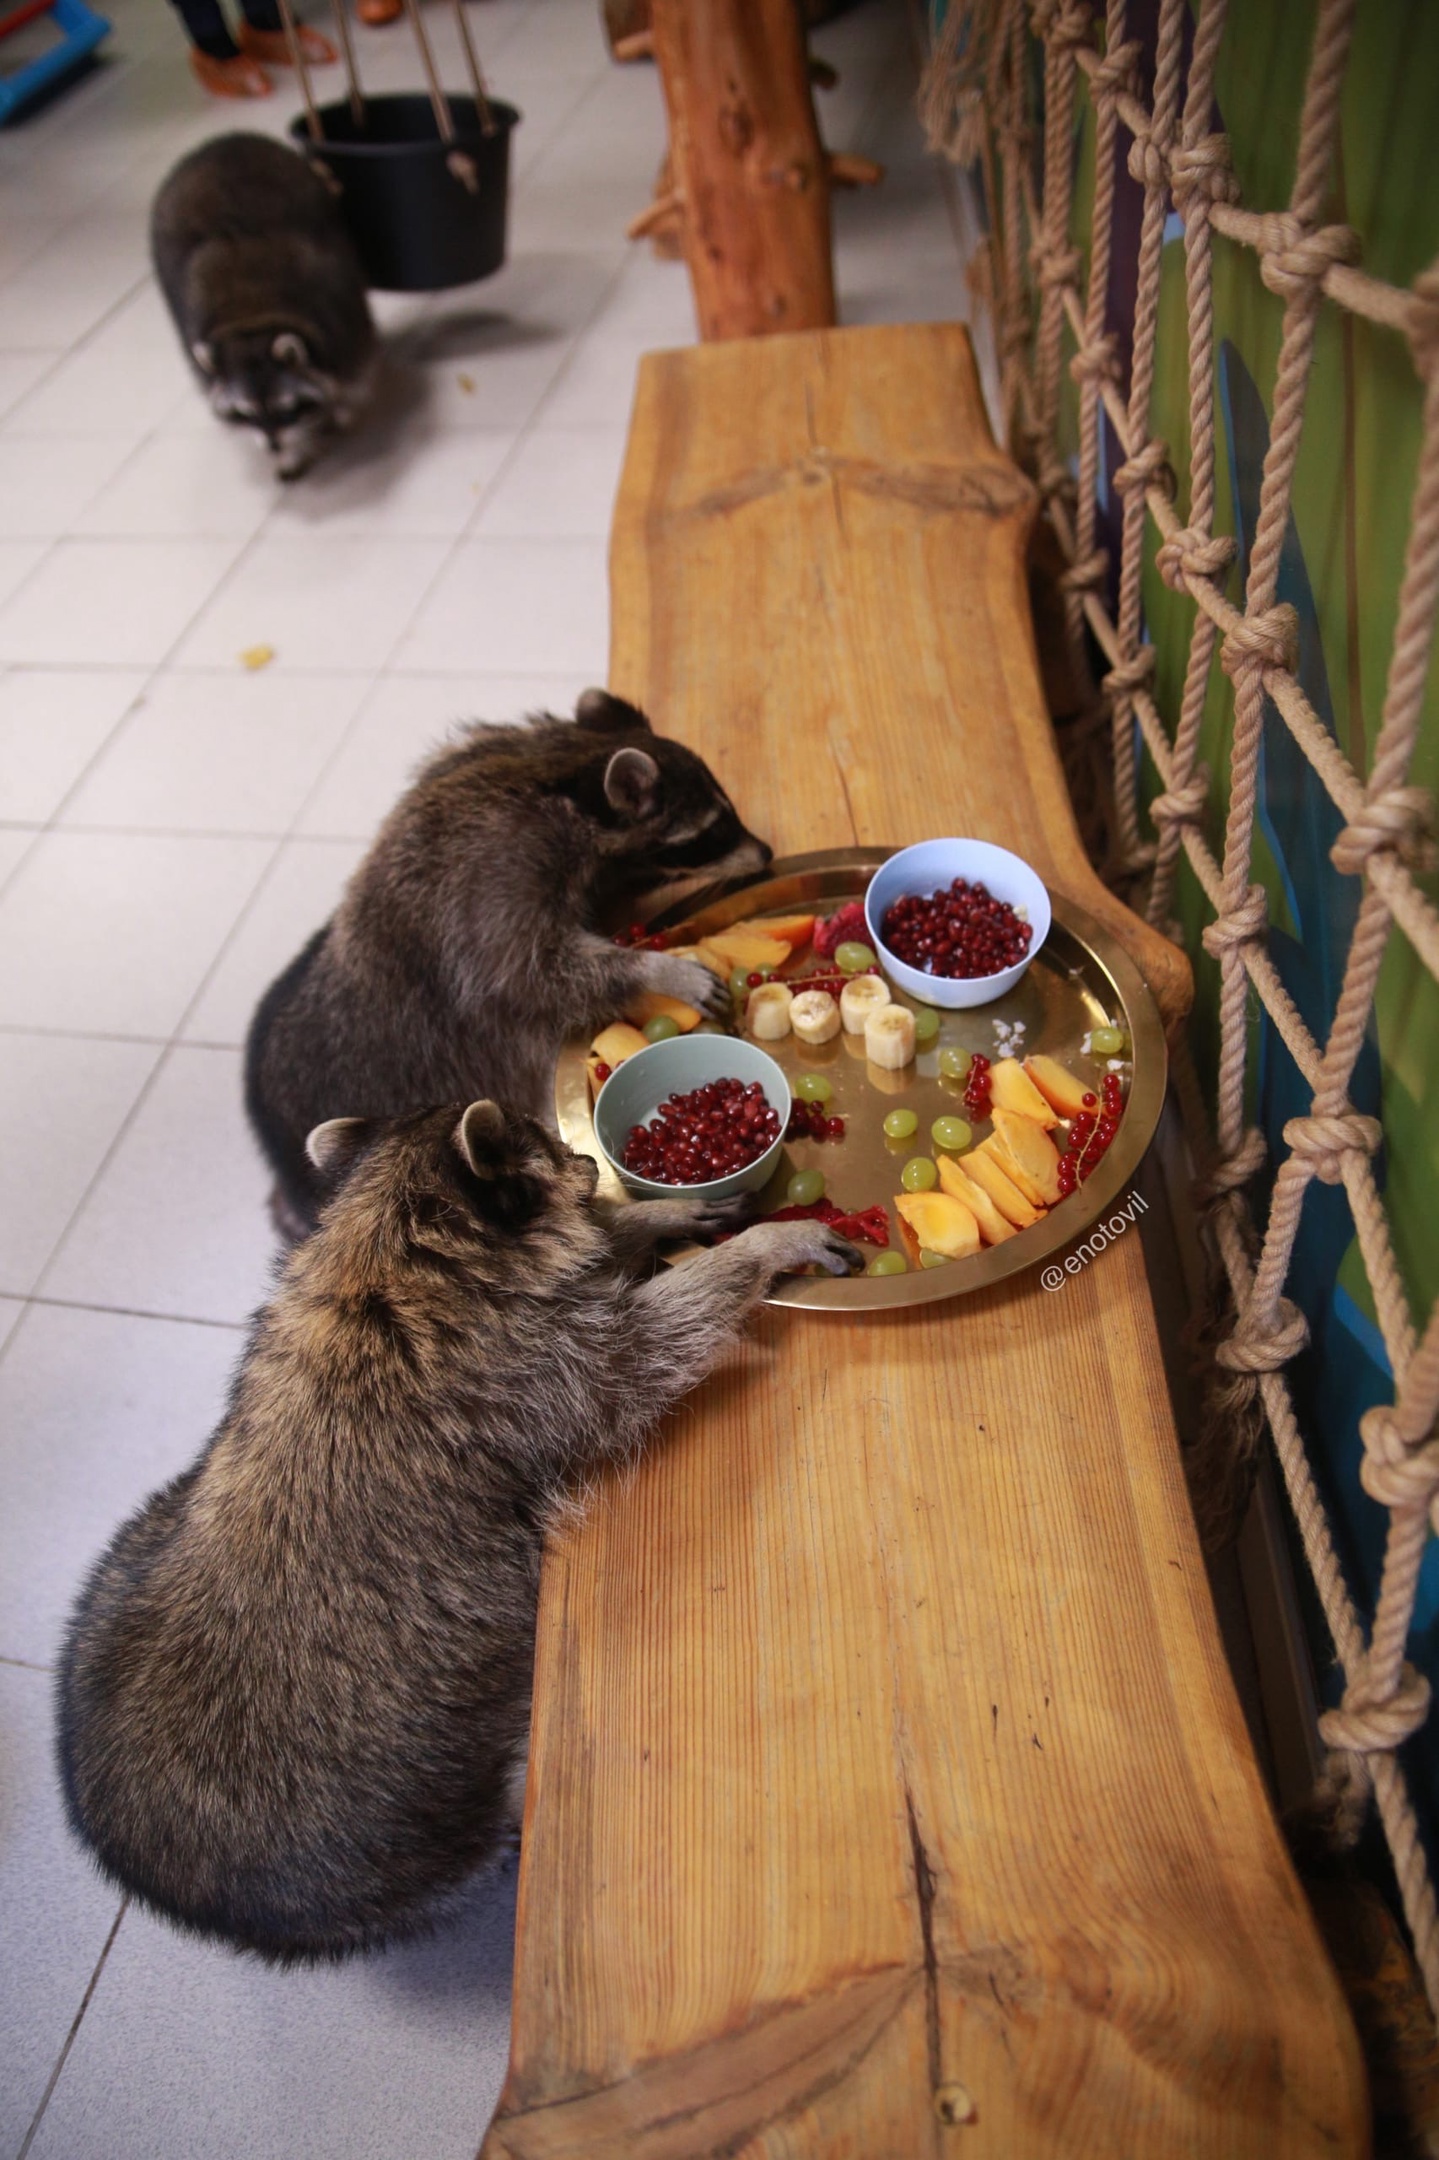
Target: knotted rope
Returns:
[1172, 152]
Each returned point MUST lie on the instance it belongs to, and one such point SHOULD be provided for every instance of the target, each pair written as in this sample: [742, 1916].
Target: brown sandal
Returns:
[239, 77]
[272, 47]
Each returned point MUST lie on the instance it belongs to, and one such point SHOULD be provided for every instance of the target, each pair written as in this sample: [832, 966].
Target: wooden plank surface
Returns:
[885, 1765]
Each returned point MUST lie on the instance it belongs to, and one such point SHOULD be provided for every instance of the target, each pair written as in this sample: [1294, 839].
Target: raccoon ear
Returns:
[604, 714]
[632, 782]
[333, 1146]
[478, 1135]
[203, 356]
[290, 350]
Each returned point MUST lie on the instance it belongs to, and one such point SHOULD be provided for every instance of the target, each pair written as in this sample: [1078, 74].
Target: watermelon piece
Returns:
[848, 923]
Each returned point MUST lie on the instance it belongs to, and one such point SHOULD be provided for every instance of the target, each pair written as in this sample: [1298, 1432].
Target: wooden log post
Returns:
[748, 164]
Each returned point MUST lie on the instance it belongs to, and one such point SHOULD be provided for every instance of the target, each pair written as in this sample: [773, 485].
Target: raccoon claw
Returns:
[721, 1218]
[692, 982]
[839, 1257]
[795, 1245]
[717, 1004]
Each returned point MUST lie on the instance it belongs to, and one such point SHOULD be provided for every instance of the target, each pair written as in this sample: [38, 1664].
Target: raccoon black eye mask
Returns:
[266, 292]
[468, 948]
[294, 1697]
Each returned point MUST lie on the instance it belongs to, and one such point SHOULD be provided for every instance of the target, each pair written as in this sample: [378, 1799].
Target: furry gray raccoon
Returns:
[466, 948]
[267, 293]
[294, 1696]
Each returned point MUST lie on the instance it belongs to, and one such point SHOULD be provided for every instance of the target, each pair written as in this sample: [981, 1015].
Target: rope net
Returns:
[977, 100]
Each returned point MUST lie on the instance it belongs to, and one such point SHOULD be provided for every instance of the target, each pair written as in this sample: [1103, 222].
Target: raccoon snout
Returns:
[751, 854]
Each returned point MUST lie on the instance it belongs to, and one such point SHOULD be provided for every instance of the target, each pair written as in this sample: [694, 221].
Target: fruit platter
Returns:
[957, 1137]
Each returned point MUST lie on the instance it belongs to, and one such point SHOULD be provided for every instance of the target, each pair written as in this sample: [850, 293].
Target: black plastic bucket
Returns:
[417, 226]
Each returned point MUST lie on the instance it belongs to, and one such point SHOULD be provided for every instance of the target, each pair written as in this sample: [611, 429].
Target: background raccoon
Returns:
[267, 293]
[294, 1697]
[466, 950]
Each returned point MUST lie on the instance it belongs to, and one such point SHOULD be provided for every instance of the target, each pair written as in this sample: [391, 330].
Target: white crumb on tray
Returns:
[1086, 1045]
[1009, 1037]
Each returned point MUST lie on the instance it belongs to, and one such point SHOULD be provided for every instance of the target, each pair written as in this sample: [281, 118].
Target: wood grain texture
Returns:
[748, 163]
[883, 1741]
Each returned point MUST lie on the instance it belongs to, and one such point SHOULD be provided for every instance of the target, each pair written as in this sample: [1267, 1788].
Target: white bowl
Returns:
[635, 1090]
[928, 867]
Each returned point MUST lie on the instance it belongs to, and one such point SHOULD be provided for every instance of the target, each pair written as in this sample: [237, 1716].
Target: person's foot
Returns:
[238, 77]
[375, 12]
[273, 47]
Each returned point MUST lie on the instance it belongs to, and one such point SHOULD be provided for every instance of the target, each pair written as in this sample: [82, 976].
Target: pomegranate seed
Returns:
[962, 932]
[706, 1134]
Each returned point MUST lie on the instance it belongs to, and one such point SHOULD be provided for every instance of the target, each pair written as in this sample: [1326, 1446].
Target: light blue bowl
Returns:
[635, 1090]
[924, 869]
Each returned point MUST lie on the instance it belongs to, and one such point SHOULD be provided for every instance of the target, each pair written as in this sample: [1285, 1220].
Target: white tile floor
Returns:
[172, 828]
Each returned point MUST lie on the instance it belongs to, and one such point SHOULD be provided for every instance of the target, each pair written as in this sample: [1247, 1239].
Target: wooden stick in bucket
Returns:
[461, 166]
[352, 72]
[472, 62]
[302, 72]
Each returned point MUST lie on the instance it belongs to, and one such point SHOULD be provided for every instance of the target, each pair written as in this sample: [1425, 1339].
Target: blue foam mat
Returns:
[81, 30]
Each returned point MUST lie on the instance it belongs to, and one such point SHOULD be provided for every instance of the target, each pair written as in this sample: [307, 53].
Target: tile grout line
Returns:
[387, 666]
[33, 1296]
[70, 2036]
[130, 1312]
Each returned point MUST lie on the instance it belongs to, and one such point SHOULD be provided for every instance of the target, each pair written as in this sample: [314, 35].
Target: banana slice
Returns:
[858, 1000]
[814, 1016]
[768, 1011]
[889, 1037]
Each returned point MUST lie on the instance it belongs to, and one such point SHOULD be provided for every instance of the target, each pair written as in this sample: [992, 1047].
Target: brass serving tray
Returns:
[1081, 979]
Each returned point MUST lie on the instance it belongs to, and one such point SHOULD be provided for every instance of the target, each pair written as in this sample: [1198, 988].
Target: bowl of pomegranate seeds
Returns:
[956, 922]
[701, 1114]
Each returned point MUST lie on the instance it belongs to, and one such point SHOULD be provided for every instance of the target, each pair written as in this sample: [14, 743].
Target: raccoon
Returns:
[294, 1695]
[467, 947]
[267, 294]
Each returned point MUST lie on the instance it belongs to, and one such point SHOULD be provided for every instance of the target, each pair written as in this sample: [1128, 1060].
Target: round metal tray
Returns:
[1081, 979]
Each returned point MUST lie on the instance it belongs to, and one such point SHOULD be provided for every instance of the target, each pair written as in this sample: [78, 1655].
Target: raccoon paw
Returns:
[692, 982]
[794, 1245]
[721, 1218]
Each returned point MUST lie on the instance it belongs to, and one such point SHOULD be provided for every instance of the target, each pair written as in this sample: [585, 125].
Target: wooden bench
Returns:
[889, 1794]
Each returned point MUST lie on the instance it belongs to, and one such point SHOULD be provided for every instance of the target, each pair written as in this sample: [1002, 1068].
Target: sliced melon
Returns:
[617, 1042]
[1032, 1149]
[653, 1004]
[992, 1226]
[1060, 1088]
[941, 1222]
[1014, 1171]
[796, 930]
[1001, 1188]
[748, 949]
[1011, 1087]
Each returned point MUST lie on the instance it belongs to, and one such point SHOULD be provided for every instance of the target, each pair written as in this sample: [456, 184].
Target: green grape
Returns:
[804, 1188]
[852, 958]
[1109, 1042]
[951, 1133]
[919, 1174]
[663, 1028]
[739, 982]
[887, 1263]
[711, 1027]
[932, 1259]
[926, 1025]
[955, 1064]
[900, 1125]
[813, 1087]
